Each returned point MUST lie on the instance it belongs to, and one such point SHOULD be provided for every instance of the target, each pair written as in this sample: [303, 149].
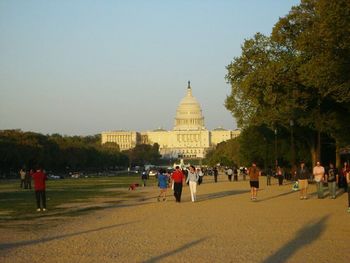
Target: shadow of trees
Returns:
[170, 253]
[6, 246]
[275, 196]
[305, 236]
[216, 195]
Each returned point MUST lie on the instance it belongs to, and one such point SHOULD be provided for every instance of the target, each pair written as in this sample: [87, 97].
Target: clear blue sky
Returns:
[79, 67]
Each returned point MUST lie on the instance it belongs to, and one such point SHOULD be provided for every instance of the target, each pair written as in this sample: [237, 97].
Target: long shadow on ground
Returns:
[275, 196]
[305, 236]
[6, 246]
[78, 211]
[170, 253]
[220, 194]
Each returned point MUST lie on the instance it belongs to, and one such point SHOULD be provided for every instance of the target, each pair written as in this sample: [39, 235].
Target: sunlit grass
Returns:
[16, 203]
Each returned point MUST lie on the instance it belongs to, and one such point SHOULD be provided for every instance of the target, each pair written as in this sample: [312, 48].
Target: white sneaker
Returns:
[44, 209]
[38, 210]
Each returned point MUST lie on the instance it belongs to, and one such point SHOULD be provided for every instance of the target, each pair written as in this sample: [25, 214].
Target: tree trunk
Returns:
[313, 151]
[337, 155]
[318, 147]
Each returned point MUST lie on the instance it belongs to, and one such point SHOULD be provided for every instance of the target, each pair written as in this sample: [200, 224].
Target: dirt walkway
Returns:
[223, 226]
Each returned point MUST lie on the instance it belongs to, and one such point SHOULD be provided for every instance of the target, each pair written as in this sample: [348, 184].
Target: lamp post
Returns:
[276, 160]
[292, 159]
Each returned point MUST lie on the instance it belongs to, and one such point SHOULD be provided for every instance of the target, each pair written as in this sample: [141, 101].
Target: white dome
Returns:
[189, 113]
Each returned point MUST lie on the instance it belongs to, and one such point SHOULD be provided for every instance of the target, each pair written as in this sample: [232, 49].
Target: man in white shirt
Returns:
[318, 173]
[229, 173]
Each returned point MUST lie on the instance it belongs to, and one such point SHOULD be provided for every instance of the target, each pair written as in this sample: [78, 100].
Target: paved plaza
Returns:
[223, 226]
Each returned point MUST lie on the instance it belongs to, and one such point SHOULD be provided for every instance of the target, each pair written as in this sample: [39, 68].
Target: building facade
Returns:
[188, 139]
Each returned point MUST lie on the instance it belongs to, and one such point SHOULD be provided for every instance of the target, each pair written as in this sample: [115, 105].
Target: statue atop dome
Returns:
[189, 113]
[189, 89]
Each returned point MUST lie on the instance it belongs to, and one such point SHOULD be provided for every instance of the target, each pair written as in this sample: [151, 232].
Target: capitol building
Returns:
[189, 138]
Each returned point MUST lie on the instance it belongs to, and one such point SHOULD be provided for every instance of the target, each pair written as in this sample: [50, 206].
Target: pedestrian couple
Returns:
[26, 178]
[320, 176]
[178, 178]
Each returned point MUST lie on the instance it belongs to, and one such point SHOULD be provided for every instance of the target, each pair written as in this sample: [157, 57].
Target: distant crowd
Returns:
[331, 178]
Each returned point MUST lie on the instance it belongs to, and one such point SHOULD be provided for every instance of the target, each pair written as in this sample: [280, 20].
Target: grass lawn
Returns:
[16, 203]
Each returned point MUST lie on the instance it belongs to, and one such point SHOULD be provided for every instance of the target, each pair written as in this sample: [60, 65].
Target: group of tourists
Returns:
[26, 178]
[303, 176]
[39, 177]
[331, 176]
[232, 172]
[176, 179]
[193, 177]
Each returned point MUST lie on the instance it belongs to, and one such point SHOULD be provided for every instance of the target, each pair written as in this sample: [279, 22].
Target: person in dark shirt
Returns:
[332, 179]
[302, 175]
[215, 171]
[144, 177]
[235, 174]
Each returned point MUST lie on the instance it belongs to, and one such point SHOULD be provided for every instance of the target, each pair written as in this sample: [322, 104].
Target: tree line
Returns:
[66, 154]
[290, 91]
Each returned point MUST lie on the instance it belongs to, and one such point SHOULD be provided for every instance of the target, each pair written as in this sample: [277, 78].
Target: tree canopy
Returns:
[299, 73]
[55, 152]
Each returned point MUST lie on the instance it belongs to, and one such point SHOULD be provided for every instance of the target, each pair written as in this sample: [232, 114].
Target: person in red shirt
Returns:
[39, 178]
[177, 177]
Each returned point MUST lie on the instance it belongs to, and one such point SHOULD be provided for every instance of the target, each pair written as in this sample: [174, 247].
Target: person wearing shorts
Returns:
[163, 184]
[254, 174]
[303, 175]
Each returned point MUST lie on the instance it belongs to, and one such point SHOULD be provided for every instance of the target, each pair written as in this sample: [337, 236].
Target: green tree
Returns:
[144, 153]
[55, 152]
[298, 73]
[226, 153]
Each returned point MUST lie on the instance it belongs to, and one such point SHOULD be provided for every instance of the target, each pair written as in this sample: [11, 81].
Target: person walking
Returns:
[244, 172]
[192, 179]
[302, 175]
[39, 178]
[268, 175]
[332, 180]
[215, 171]
[229, 173]
[342, 177]
[279, 175]
[200, 175]
[22, 175]
[318, 173]
[254, 173]
[144, 178]
[163, 184]
[348, 182]
[235, 174]
[177, 177]
[28, 180]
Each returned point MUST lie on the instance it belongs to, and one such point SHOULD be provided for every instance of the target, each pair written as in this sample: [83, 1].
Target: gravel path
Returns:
[223, 226]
